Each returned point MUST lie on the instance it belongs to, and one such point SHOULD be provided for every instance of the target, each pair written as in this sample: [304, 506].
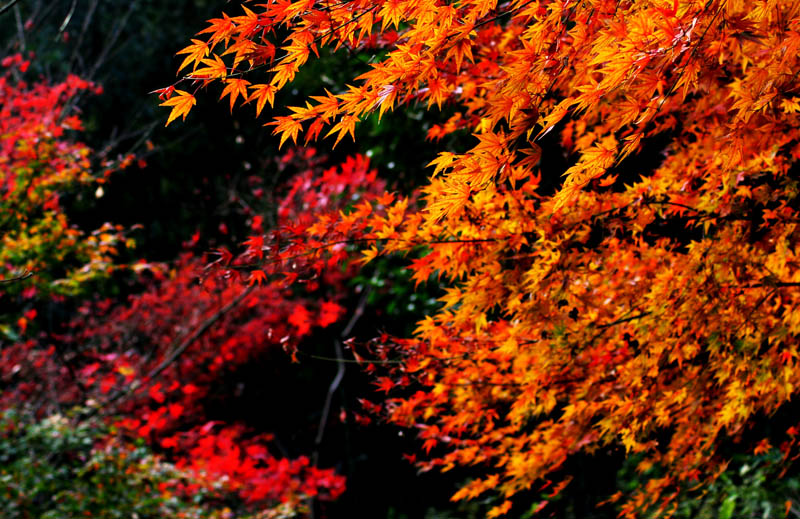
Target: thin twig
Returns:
[326, 408]
[361, 361]
[340, 360]
[178, 350]
[8, 6]
[20, 28]
[337, 380]
[623, 320]
[112, 40]
[23, 277]
[84, 29]
[67, 18]
[357, 313]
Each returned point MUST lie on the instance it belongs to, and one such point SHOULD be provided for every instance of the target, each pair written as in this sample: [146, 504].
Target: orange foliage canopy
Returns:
[621, 305]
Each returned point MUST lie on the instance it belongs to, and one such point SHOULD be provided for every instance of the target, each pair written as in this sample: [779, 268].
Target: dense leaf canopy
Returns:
[611, 302]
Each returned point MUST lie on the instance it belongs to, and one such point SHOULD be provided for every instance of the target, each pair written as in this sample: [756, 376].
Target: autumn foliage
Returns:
[41, 162]
[152, 365]
[621, 300]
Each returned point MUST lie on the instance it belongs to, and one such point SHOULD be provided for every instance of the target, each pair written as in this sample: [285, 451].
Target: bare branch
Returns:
[177, 350]
[8, 6]
[23, 277]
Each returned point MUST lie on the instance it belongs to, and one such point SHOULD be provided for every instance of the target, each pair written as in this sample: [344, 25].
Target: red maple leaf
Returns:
[300, 319]
[329, 313]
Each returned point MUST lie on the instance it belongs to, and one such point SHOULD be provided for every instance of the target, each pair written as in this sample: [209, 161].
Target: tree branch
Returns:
[177, 351]
[8, 6]
[23, 277]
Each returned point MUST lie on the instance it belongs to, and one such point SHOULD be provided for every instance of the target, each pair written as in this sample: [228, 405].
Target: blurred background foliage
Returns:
[194, 172]
[59, 468]
[195, 180]
[752, 486]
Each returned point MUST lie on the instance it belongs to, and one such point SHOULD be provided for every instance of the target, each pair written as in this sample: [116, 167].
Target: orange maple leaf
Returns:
[287, 127]
[345, 125]
[215, 69]
[196, 52]
[233, 88]
[181, 104]
[262, 94]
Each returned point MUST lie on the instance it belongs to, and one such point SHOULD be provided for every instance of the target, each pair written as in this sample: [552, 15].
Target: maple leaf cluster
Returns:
[609, 303]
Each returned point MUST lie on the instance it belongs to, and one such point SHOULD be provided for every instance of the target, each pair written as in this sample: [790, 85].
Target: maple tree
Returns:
[153, 364]
[606, 303]
[43, 254]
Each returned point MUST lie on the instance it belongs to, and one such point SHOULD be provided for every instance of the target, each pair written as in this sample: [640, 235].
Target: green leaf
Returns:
[727, 508]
